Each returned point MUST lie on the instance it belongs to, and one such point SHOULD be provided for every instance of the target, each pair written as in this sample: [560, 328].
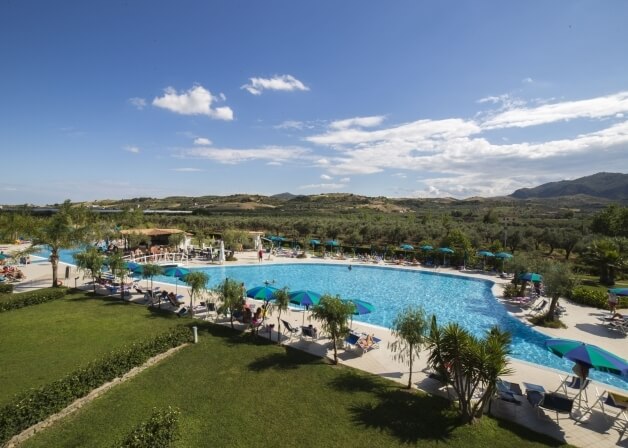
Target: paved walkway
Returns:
[582, 324]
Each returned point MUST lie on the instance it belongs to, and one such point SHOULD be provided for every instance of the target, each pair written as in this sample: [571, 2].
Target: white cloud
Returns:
[286, 83]
[400, 175]
[527, 80]
[361, 122]
[326, 177]
[447, 152]
[330, 186]
[139, 103]
[345, 180]
[417, 132]
[133, 149]
[594, 108]
[291, 124]
[201, 141]
[195, 101]
[234, 156]
[186, 170]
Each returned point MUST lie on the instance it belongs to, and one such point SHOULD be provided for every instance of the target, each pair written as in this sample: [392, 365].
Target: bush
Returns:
[160, 431]
[231, 258]
[510, 291]
[6, 288]
[589, 296]
[302, 255]
[31, 298]
[38, 404]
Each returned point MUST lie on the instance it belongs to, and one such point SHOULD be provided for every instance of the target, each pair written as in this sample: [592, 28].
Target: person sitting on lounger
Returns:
[367, 342]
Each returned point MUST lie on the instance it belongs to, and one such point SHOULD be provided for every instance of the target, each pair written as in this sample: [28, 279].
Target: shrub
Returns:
[510, 291]
[302, 255]
[231, 258]
[38, 404]
[31, 298]
[160, 431]
[6, 288]
[589, 296]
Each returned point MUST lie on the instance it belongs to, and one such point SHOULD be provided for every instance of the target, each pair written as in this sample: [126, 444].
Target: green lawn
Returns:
[41, 343]
[236, 392]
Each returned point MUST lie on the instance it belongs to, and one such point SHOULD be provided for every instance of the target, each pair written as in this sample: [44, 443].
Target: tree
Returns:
[92, 262]
[607, 256]
[150, 270]
[410, 330]
[197, 281]
[333, 313]
[230, 294]
[559, 281]
[282, 299]
[470, 365]
[117, 264]
[612, 221]
[65, 229]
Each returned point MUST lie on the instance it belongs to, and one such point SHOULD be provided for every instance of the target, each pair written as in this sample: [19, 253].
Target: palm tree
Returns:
[197, 281]
[230, 293]
[149, 270]
[282, 299]
[117, 265]
[333, 313]
[469, 364]
[410, 328]
[608, 256]
[91, 261]
[66, 229]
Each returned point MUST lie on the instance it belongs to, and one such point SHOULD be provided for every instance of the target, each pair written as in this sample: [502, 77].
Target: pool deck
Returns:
[583, 324]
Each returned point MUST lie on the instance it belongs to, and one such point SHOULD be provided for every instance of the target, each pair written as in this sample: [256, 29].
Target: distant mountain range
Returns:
[611, 186]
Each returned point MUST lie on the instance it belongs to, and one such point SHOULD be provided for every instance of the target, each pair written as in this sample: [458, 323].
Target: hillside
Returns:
[611, 186]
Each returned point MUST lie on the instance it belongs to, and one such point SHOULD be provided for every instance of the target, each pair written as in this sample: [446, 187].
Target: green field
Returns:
[42, 343]
[232, 390]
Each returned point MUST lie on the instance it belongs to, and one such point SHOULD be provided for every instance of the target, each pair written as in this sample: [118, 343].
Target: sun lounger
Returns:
[368, 342]
[289, 329]
[310, 333]
[614, 406]
[364, 342]
[573, 384]
[550, 401]
[535, 311]
[507, 392]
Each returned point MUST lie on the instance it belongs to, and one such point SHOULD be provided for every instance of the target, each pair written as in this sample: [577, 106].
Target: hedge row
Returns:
[24, 299]
[160, 431]
[36, 405]
[589, 296]
[6, 288]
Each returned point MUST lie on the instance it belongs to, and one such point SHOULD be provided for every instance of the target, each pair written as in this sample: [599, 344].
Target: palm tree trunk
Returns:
[54, 260]
[410, 372]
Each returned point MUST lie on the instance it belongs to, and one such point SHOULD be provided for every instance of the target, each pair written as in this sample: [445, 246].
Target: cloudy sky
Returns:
[121, 99]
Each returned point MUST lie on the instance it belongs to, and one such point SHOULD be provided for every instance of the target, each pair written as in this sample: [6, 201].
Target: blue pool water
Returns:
[451, 298]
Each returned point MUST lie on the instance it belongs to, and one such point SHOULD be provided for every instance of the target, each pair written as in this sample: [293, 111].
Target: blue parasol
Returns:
[305, 298]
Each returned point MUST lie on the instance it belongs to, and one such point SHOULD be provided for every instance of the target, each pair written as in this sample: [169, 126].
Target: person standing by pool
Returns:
[260, 255]
[612, 302]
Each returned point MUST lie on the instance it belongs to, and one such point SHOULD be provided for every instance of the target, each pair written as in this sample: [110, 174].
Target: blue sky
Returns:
[109, 100]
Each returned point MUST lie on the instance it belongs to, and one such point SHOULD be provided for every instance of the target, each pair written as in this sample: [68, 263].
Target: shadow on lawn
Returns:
[355, 382]
[407, 415]
[291, 359]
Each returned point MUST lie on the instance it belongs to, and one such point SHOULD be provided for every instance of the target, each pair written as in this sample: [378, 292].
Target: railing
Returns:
[166, 258]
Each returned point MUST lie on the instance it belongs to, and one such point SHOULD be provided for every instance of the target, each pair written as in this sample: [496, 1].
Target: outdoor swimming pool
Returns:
[451, 298]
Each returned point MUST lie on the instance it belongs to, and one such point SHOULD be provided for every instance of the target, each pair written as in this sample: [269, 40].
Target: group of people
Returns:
[11, 273]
